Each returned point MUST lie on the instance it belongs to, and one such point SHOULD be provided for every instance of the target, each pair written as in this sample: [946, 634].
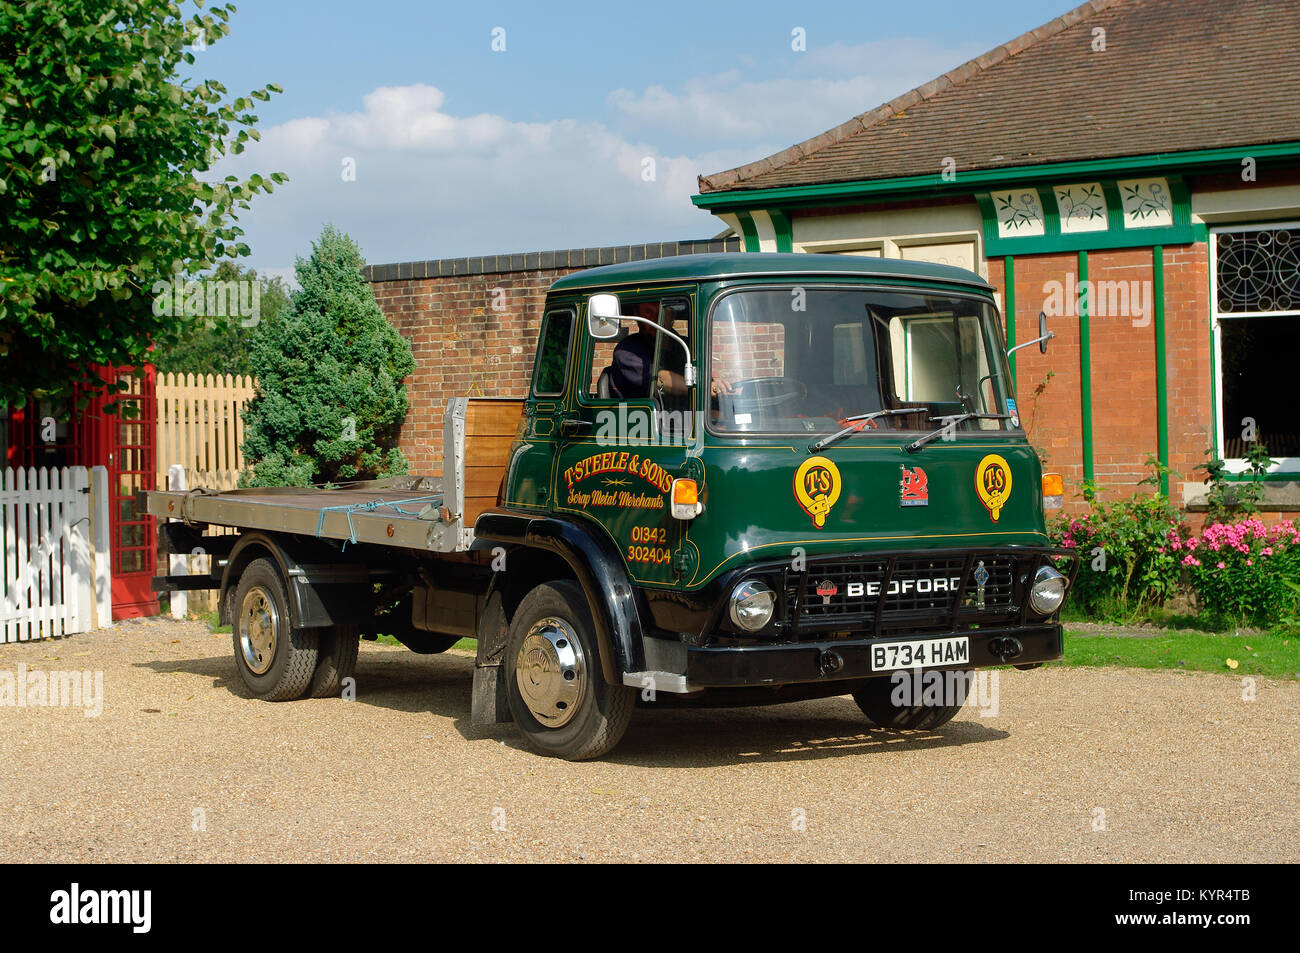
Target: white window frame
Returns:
[1282, 465]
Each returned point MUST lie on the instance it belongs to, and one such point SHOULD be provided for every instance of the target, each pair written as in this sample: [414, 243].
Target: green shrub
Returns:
[1229, 499]
[1126, 563]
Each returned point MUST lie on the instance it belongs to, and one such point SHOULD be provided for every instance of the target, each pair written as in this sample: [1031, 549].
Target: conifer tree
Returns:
[330, 374]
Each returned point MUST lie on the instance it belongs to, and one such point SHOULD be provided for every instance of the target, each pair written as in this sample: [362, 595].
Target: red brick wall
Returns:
[462, 345]
[1049, 406]
[1123, 349]
[1123, 368]
[1187, 360]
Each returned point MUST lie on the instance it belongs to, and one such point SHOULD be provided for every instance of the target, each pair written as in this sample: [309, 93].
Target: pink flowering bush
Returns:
[1243, 571]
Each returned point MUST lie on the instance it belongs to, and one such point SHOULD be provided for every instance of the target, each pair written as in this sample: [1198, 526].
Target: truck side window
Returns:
[553, 357]
[654, 353]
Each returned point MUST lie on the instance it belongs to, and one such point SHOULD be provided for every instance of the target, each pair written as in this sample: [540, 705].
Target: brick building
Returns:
[1147, 151]
[473, 322]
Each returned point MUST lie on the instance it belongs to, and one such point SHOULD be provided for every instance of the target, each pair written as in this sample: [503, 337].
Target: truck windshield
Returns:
[806, 360]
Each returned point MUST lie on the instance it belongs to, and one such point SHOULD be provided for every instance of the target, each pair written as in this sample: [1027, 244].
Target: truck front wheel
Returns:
[557, 693]
[275, 660]
[878, 698]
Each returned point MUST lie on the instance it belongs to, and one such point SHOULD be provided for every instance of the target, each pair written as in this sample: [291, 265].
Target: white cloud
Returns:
[826, 87]
[433, 184]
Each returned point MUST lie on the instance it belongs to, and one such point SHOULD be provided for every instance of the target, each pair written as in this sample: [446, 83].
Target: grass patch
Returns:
[464, 645]
[1262, 653]
[212, 622]
[1157, 616]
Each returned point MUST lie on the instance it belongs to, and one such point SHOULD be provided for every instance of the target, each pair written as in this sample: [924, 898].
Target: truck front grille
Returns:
[913, 592]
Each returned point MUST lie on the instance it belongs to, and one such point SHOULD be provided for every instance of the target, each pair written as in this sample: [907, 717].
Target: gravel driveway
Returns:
[1079, 765]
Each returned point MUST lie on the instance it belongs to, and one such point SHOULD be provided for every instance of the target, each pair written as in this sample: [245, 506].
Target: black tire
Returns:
[260, 606]
[427, 643]
[336, 659]
[876, 699]
[596, 721]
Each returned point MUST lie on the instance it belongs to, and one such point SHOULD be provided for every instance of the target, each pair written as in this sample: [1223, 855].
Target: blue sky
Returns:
[462, 150]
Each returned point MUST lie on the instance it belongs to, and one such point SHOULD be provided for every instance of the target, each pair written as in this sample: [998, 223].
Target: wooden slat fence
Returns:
[199, 425]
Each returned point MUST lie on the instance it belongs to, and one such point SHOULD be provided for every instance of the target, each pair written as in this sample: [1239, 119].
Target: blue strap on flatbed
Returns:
[370, 507]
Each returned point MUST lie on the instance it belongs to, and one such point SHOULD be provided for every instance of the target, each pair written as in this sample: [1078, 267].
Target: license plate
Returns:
[919, 653]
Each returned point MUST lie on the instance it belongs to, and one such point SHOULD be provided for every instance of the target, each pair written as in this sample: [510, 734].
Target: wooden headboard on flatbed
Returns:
[489, 427]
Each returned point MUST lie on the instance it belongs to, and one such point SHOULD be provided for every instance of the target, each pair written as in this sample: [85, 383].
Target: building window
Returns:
[1256, 311]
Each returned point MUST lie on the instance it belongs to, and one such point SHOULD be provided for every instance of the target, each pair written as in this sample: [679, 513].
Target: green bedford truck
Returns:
[736, 479]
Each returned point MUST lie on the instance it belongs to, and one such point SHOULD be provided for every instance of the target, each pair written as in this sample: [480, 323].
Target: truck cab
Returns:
[808, 473]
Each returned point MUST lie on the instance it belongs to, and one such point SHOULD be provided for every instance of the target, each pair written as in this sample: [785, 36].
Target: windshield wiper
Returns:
[856, 422]
[950, 422]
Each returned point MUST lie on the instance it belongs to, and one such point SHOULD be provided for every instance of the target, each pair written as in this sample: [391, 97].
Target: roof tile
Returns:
[1176, 75]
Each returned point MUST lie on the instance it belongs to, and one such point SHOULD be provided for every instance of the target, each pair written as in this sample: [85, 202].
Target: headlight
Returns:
[752, 603]
[1048, 591]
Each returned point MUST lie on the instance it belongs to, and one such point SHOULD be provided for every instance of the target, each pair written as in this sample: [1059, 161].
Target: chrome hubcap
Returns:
[258, 621]
[551, 672]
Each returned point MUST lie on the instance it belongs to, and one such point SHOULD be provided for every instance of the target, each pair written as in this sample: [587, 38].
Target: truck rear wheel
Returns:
[876, 699]
[336, 659]
[275, 660]
[557, 692]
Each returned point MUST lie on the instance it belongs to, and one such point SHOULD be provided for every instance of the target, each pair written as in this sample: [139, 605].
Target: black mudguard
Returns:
[599, 570]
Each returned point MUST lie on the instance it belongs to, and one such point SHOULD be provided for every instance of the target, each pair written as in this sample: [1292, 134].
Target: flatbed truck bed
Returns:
[404, 512]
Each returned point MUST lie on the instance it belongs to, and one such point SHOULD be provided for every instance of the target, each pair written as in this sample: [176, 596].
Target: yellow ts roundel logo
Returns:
[993, 484]
[817, 486]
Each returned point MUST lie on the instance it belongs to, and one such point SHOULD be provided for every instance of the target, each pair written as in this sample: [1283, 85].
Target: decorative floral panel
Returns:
[1147, 203]
[1020, 213]
[1082, 207]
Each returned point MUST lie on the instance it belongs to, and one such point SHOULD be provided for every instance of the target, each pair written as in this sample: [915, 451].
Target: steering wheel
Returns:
[768, 394]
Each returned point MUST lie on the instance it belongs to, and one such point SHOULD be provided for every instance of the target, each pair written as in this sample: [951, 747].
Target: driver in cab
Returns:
[634, 356]
[633, 360]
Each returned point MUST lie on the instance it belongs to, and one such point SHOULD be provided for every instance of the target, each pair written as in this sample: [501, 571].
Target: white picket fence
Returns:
[56, 552]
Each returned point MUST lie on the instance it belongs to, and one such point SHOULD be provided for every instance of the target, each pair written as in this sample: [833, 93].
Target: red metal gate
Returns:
[129, 439]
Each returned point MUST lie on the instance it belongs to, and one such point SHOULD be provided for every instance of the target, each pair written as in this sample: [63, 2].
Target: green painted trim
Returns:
[1114, 206]
[1092, 241]
[1214, 358]
[1182, 197]
[1009, 301]
[1085, 369]
[835, 192]
[1162, 388]
[748, 229]
[1286, 476]
[1051, 214]
[989, 216]
[783, 229]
